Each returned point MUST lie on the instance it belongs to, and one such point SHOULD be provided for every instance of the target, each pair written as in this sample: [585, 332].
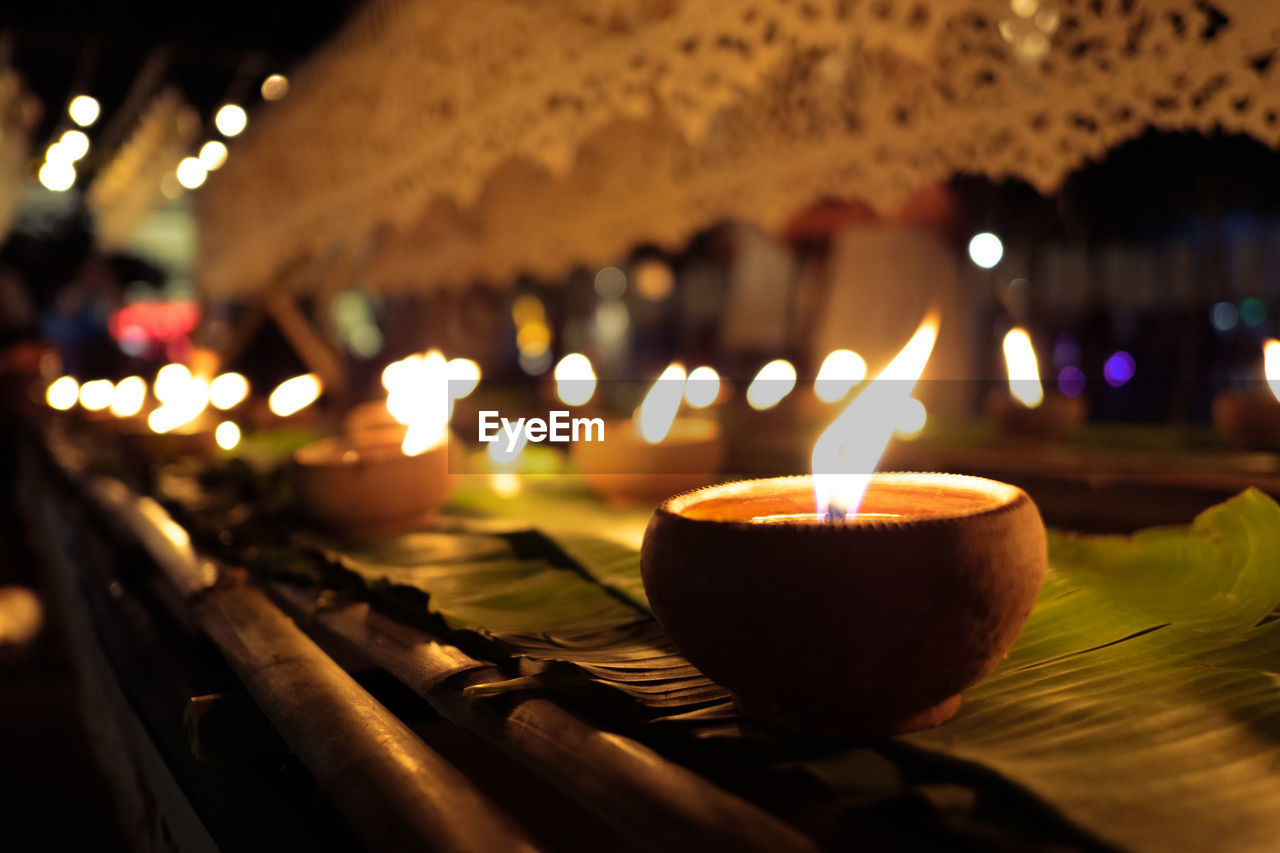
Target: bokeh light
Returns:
[1119, 368]
[1071, 381]
[986, 250]
[231, 120]
[84, 110]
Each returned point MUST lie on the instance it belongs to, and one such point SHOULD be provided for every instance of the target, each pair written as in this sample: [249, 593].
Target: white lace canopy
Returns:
[436, 143]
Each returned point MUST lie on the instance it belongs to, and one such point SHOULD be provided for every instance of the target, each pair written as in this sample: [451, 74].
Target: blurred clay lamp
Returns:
[654, 454]
[388, 477]
[1252, 418]
[178, 425]
[847, 603]
[1024, 408]
[386, 421]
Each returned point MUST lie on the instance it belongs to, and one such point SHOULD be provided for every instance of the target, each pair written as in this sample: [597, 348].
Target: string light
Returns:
[84, 110]
[191, 173]
[275, 87]
[213, 154]
[231, 120]
[57, 175]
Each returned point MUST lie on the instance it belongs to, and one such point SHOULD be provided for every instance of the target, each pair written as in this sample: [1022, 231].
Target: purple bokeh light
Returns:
[1071, 381]
[1119, 368]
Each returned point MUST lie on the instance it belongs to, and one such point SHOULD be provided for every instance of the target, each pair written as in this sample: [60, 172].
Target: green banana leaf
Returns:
[1142, 700]
[1143, 697]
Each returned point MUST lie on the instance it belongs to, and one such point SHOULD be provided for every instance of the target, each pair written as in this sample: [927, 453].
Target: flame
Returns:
[702, 387]
[464, 377]
[95, 395]
[575, 379]
[658, 411]
[774, 382]
[63, 393]
[841, 370]
[128, 397]
[170, 382]
[1024, 375]
[227, 435]
[418, 397]
[183, 403]
[1270, 365]
[845, 455]
[293, 395]
[911, 418]
[228, 390]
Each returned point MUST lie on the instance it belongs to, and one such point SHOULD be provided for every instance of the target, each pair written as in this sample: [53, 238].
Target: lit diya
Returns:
[846, 603]
[178, 425]
[1024, 408]
[390, 470]
[1252, 418]
[655, 453]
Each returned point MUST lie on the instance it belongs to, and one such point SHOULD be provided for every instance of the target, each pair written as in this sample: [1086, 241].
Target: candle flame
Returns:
[293, 395]
[1024, 374]
[702, 387]
[575, 379]
[63, 393]
[184, 403]
[845, 455]
[128, 397]
[227, 391]
[418, 397]
[658, 411]
[95, 395]
[1270, 365]
[170, 382]
[841, 370]
[227, 435]
[464, 377]
[774, 382]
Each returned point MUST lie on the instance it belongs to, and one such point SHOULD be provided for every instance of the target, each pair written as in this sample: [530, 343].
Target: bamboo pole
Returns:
[662, 805]
[396, 792]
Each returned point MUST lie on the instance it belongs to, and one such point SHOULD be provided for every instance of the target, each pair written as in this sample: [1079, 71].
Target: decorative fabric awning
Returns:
[436, 143]
[130, 185]
[19, 111]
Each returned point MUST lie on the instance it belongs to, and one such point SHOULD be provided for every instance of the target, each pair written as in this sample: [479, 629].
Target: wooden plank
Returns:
[661, 804]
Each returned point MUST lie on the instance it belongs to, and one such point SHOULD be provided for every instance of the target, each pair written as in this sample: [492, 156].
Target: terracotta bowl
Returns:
[1245, 418]
[864, 627]
[1055, 418]
[628, 471]
[370, 489]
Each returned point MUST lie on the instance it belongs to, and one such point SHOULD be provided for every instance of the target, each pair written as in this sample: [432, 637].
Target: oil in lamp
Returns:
[1024, 408]
[1252, 418]
[655, 453]
[846, 602]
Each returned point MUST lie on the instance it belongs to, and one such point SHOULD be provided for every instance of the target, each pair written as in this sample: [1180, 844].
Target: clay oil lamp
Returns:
[384, 477]
[178, 425]
[848, 603]
[656, 453]
[1252, 418]
[1024, 409]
